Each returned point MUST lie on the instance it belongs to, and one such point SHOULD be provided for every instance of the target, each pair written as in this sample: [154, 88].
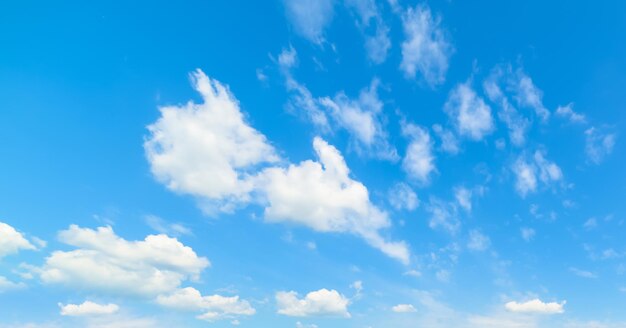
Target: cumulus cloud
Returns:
[478, 241]
[419, 161]
[468, 112]
[322, 196]
[214, 307]
[426, 49]
[12, 241]
[103, 261]
[206, 149]
[322, 302]
[88, 308]
[310, 18]
[403, 308]
[535, 306]
[527, 172]
[598, 144]
[567, 112]
[377, 43]
[362, 118]
[401, 196]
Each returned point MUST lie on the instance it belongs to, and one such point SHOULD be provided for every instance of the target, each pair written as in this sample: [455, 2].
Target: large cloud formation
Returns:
[207, 150]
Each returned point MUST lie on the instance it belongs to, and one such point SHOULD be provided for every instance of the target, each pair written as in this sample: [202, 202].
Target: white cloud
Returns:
[583, 273]
[449, 142]
[401, 196]
[590, 223]
[302, 101]
[535, 306]
[322, 196]
[164, 227]
[362, 118]
[527, 172]
[567, 112]
[310, 18]
[527, 94]
[302, 325]
[8, 285]
[419, 160]
[517, 125]
[527, 233]
[205, 149]
[426, 49]
[377, 44]
[468, 112]
[443, 215]
[403, 308]
[463, 197]
[215, 307]
[322, 302]
[12, 241]
[88, 308]
[105, 262]
[598, 144]
[478, 241]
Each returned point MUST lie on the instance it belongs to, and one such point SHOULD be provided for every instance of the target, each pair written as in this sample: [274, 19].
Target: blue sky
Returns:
[330, 163]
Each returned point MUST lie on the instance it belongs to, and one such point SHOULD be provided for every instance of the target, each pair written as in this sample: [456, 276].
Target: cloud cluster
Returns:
[209, 151]
[377, 42]
[468, 112]
[528, 172]
[426, 49]
[310, 18]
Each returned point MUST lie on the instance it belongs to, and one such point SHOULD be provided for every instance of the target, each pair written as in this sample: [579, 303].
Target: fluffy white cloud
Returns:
[419, 161]
[88, 308]
[310, 18]
[535, 306]
[362, 118]
[401, 196]
[209, 151]
[468, 112]
[103, 261]
[478, 241]
[377, 44]
[527, 171]
[598, 144]
[567, 112]
[215, 307]
[403, 308]
[321, 195]
[12, 241]
[426, 49]
[205, 149]
[322, 302]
